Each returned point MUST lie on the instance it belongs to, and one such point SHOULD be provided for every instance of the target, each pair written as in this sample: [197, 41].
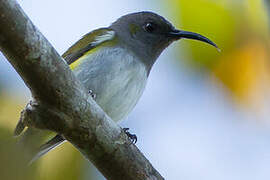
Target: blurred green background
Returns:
[211, 108]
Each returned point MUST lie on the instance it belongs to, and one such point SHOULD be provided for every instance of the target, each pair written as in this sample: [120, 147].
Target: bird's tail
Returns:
[50, 145]
[31, 142]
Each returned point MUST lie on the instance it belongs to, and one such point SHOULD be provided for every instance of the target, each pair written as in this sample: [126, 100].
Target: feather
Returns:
[87, 43]
[50, 145]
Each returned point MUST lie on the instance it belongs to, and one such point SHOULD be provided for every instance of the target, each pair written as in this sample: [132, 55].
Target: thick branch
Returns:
[61, 104]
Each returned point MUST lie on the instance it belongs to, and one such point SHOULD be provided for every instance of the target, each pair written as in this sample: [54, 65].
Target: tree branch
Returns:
[61, 103]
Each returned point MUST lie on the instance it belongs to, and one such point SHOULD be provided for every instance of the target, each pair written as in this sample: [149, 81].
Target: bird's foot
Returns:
[131, 137]
[92, 94]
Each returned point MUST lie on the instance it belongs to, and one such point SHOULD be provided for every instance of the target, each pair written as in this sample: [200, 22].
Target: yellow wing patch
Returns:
[105, 38]
[76, 63]
[87, 43]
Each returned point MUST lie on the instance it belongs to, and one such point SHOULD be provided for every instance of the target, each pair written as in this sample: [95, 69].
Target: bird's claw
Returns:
[131, 137]
[92, 94]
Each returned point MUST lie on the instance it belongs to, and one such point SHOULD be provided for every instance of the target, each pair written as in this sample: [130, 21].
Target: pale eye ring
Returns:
[149, 27]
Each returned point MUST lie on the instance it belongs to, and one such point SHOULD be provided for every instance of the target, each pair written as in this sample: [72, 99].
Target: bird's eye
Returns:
[149, 27]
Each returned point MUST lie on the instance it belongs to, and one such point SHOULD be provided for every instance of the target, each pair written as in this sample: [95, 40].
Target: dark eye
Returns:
[149, 27]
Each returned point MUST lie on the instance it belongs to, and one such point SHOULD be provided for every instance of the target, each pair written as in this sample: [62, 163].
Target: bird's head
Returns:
[147, 34]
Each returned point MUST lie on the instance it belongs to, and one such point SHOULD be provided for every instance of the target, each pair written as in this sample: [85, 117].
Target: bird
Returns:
[114, 63]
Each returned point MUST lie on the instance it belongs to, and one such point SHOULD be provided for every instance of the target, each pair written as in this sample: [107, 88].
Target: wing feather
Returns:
[87, 43]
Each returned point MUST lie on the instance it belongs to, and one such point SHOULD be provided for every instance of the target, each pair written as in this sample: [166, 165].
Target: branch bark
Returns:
[61, 103]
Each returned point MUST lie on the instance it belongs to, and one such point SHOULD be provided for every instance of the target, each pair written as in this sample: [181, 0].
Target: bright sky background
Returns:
[185, 125]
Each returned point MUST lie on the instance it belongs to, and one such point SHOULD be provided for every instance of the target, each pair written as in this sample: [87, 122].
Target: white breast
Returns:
[117, 78]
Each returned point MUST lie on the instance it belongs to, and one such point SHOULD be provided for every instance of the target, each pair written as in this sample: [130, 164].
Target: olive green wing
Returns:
[87, 43]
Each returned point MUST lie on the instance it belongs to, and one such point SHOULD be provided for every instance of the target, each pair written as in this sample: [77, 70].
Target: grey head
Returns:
[147, 34]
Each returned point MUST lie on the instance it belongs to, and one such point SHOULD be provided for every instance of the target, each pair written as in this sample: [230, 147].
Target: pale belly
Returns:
[117, 78]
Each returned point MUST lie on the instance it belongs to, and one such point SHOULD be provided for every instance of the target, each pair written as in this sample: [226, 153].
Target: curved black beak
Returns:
[177, 34]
